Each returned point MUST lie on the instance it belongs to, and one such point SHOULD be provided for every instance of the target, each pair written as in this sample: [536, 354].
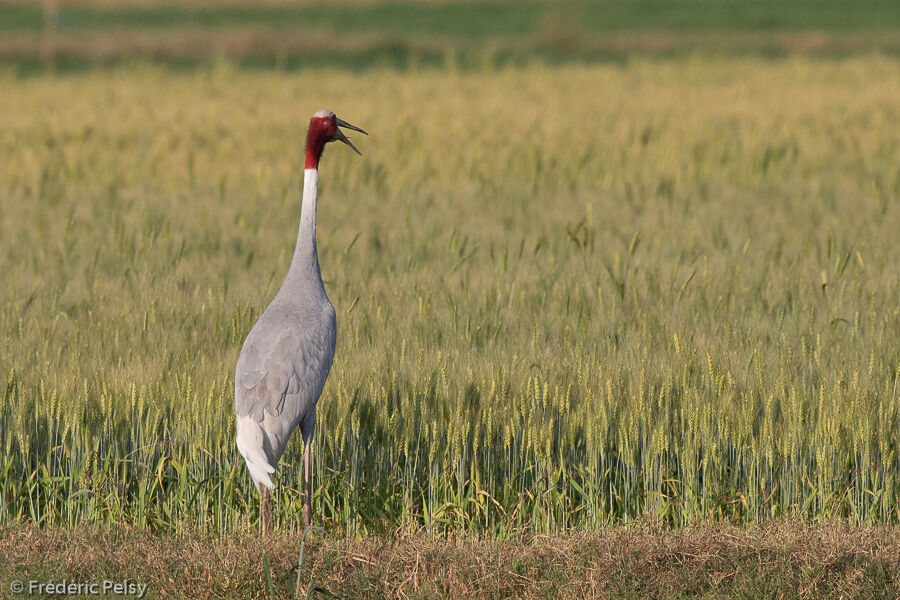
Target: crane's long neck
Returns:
[305, 263]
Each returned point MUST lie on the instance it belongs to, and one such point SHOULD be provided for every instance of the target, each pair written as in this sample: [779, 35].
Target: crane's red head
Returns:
[323, 128]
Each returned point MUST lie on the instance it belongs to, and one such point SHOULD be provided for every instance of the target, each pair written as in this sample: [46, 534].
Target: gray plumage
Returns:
[287, 356]
[281, 372]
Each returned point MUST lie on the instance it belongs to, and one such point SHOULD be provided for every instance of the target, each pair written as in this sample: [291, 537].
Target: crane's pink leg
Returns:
[307, 500]
[265, 511]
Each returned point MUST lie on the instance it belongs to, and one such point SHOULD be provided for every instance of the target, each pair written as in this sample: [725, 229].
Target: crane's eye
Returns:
[326, 123]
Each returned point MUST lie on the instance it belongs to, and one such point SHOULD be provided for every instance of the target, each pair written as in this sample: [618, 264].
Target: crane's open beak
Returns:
[339, 135]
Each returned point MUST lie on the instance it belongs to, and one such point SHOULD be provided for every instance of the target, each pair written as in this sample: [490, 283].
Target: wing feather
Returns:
[284, 378]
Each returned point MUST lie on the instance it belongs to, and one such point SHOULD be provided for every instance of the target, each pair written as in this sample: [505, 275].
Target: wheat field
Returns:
[566, 297]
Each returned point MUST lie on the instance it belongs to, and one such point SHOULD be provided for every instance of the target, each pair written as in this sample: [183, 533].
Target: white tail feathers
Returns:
[250, 445]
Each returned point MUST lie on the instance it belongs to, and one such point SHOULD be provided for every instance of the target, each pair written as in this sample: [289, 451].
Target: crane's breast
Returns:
[284, 364]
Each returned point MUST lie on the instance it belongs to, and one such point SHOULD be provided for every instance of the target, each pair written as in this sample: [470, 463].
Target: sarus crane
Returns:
[287, 355]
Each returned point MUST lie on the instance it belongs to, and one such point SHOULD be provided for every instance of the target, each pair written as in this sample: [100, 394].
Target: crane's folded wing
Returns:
[266, 381]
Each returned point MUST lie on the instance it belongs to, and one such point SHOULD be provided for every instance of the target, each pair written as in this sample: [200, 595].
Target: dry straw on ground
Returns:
[785, 560]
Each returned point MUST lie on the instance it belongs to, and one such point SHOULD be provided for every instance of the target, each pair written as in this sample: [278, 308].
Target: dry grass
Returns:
[779, 560]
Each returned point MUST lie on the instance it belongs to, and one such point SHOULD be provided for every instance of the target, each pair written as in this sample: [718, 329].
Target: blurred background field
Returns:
[571, 291]
[359, 34]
